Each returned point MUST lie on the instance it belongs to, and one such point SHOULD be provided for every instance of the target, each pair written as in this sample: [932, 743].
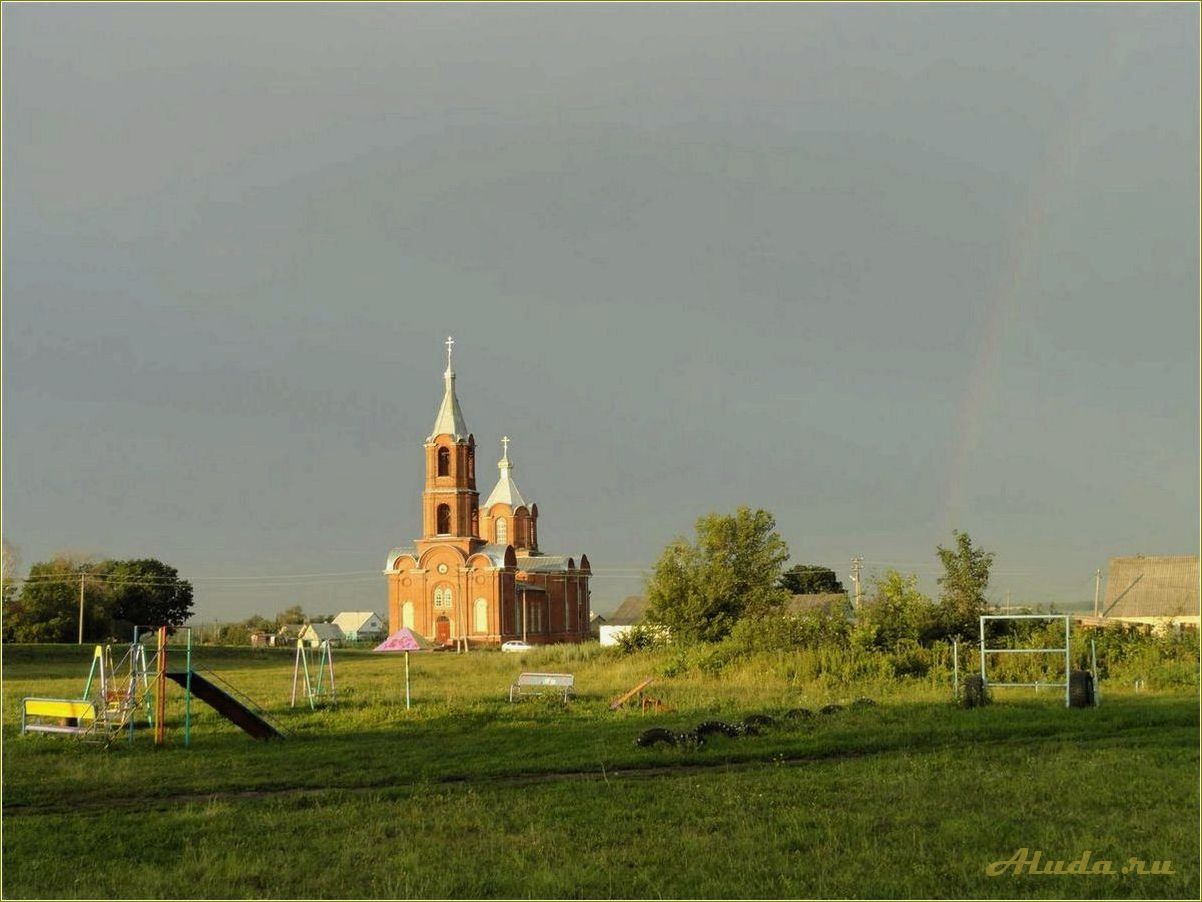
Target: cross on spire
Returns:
[505, 446]
[450, 347]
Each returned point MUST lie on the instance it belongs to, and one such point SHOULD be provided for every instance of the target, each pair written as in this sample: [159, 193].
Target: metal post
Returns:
[955, 668]
[160, 735]
[1093, 669]
[525, 615]
[295, 672]
[1067, 662]
[80, 608]
[982, 628]
[1097, 586]
[407, 703]
[333, 691]
[188, 692]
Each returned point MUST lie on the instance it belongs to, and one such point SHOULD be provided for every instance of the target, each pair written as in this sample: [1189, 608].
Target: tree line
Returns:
[732, 572]
[116, 596]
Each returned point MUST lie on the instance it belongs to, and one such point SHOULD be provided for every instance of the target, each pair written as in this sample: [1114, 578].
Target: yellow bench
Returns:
[76, 716]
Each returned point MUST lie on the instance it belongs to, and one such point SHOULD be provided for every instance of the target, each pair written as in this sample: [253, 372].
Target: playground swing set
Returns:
[117, 696]
[317, 689]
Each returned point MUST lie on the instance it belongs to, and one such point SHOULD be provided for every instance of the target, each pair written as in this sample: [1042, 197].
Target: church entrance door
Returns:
[442, 631]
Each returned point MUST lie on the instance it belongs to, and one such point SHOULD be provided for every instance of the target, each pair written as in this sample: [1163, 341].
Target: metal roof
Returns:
[353, 621]
[543, 563]
[506, 490]
[397, 552]
[494, 552]
[629, 611]
[322, 631]
[1157, 586]
[450, 418]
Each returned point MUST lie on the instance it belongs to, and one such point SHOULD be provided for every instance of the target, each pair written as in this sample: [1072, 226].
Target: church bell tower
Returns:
[450, 502]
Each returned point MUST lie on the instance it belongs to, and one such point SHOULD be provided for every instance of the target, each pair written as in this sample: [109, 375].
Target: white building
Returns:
[361, 626]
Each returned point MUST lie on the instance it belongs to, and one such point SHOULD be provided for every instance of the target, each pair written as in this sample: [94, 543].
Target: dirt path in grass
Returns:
[597, 774]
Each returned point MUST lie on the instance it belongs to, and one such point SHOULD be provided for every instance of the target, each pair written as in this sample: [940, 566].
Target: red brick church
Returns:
[477, 574]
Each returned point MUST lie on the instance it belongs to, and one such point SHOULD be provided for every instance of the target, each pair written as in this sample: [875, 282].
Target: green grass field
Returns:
[467, 795]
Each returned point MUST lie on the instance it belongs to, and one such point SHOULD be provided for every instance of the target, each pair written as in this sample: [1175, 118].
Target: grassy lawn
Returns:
[469, 796]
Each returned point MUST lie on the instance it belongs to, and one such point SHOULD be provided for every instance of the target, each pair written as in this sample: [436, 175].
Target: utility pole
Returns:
[856, 562]
[81, 607]
[1097, 586]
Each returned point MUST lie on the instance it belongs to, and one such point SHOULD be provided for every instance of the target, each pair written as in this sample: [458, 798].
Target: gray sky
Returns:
[884, 271]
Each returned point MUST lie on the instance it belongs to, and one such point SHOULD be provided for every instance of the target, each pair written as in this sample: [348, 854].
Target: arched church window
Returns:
[444, 461]
[475, 520]
[481, 624]
[442, 597]
[444, 519]
[502, 531]
[471, 463]
[407, 615]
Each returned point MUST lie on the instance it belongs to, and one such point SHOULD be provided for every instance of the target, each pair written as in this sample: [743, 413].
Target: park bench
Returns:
[75, 717]
[542, 683]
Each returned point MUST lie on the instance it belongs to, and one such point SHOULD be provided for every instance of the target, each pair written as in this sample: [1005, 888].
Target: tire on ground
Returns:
[654, 735]
[976, 693]
[1080, 689]
[798, 714]
[709, 727]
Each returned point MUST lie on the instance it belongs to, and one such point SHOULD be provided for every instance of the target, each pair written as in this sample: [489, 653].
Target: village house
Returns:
[361, 626]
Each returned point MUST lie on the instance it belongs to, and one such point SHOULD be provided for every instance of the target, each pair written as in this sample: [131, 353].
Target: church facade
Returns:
[478, 575]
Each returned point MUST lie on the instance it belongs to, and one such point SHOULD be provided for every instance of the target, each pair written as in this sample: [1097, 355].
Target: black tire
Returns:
[710, 727]
[798, 714]
[863, 702]
[690, 739]
[759, 720]
[976, 693]
[650, 737]
[1080, 689]
[830, 709]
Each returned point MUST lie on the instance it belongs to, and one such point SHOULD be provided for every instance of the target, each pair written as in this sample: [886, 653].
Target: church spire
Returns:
[450, 418]
[506, 490]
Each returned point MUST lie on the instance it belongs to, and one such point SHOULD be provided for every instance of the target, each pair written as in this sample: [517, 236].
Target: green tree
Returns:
[48, 606]
[146, 592]
[895, 610]
[12, 605]
[965, 578]
[810, 579]
[294, 614]
[701, 589]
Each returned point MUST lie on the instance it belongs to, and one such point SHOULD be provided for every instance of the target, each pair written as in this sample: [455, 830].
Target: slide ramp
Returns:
[226, 705]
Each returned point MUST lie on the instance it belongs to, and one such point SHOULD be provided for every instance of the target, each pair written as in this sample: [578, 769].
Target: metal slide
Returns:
[226, 705]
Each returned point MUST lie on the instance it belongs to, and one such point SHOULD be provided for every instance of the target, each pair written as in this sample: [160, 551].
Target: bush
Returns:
[640, 637]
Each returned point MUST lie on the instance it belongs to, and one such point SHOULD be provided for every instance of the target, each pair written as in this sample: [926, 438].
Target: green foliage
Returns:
[810, 579]
[47, 609]
[701, 589]
[639, 638]
[116, 594]
[965, 578]
[895, 611]
[294, 614]
[145, 592]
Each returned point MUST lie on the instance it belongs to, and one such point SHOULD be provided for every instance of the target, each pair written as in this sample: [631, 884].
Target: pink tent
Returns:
[405, 640]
